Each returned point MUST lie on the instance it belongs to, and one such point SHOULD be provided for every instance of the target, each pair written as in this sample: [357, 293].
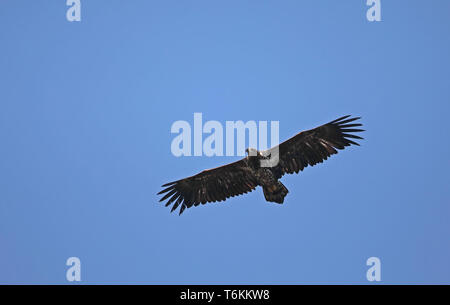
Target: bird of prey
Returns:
[306, 148]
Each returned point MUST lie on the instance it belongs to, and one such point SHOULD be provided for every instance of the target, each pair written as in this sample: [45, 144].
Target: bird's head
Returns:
[252, 152]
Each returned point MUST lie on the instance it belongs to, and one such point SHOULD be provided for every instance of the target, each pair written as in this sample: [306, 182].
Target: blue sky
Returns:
[86, 111]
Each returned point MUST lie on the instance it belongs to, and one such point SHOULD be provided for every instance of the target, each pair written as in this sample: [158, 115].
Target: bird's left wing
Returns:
[316, 145]
[216, 184]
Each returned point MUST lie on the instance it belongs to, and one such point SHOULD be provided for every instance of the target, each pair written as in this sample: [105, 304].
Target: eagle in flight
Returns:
[306, 148]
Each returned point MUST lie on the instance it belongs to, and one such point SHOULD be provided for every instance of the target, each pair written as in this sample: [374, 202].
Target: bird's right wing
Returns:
[210, 185]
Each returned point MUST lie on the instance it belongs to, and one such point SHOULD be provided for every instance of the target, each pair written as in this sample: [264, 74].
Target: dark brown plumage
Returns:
[306, 148]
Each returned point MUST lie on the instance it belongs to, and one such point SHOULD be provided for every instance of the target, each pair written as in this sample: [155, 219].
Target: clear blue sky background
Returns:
[85, 117]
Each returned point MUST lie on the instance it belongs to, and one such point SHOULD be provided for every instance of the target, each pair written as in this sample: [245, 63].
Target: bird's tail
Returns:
[275, 193]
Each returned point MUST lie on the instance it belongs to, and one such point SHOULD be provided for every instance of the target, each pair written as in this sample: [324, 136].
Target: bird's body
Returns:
[306, 148]
[274, 190]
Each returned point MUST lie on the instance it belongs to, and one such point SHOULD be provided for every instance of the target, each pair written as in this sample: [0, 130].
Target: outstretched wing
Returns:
[211, 185]
[316, 145]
